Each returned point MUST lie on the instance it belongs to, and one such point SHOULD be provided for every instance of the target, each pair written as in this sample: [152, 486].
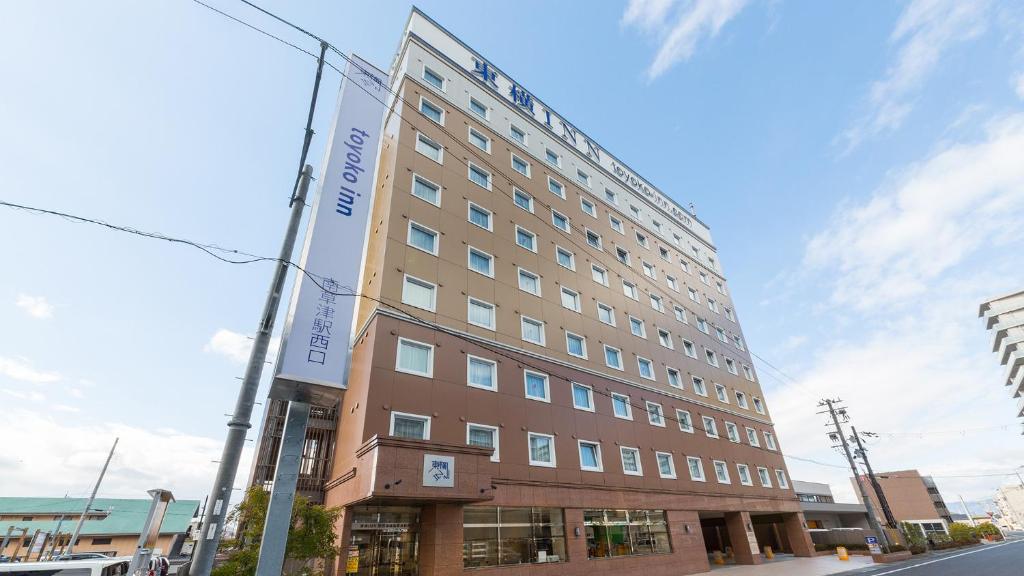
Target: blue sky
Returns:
[859, 165]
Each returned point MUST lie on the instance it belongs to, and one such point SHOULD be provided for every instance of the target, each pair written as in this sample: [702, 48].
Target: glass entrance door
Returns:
[385, 542]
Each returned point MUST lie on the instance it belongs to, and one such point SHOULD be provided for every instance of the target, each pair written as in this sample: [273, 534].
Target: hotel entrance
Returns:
[384, 541]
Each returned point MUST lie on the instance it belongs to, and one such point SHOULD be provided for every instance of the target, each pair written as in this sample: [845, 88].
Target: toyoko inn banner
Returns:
[319, 326]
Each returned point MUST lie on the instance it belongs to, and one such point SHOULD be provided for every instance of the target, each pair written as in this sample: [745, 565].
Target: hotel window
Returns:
[483, 436]
[631, 461]
[565, 258]
[542, 449]
[680, 314]
[641, 239]
[654, 414]
[600, 275]
[710, 428]
[415, 358]
[744, 472]
[611, 197]
[419, 293]
[517, 134]
[556, 188]
[576, 345]
[698, 386]
[561, 222]
[612, 357]
[749, 375]
[590, 456]
[626, 533]
[479, 140]
[704, 278]
[696, 252]
[752, 438]
[720, 286]
[649, 270]
[672, 283]
[738, 342]
[583, 177]
[712, 305]
[481, 313]
[433, 78]
[721, 335]
[431, 110]
[730, 365]
[481, 373]
[594, 239]
[520, 165]
[702, 325]
[684, 265]
[769, 440]
[693, 295]
[479, 176]
[635, 211]
[533, 330]
[622, 255]
[429, 148]
[477, 108]
[684, 420]
[582, 397]
[426, 190]
[780, 475]
[481, 262]
[422, 238]
[552, 157]
[711, 357]
[677, 240]
[411, 426]
[621, 407]
[721, 394]
[665, 338]
[637, 328]
[606, 314]
[537, 386]
[674, 379]
[758, 406]
[511, 536]
[696, 469]
[570, 299]
[656, 303]
[728, 313]
[646, 368]
[656, 225]
[732, 432]
[615, 223]
[762, 475]
[741, 399]
[588, 207]
[523, 200]
[529, 282]
[663, 252]
[526, 239]
[689, 349]
[722, 472]
[480, 216]
[629, 289]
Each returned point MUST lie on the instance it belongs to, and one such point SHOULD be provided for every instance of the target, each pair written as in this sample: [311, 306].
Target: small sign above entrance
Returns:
[438, 471]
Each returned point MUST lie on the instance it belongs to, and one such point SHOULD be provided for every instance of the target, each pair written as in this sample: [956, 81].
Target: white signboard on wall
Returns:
[438, 471]
[319, 327]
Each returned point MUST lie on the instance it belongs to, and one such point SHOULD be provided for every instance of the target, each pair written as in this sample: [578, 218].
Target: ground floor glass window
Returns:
[626, 532]
[499, 536]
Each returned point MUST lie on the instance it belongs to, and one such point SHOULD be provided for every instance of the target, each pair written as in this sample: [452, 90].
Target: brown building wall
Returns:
[905, 492]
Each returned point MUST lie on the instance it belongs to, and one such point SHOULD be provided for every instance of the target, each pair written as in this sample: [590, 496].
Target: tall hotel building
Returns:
[549, 376]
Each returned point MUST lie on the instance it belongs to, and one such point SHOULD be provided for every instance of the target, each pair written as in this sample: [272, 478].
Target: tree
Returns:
[310, 536]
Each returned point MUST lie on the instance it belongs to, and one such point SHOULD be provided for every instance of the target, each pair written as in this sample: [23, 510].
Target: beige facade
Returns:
[911, 498]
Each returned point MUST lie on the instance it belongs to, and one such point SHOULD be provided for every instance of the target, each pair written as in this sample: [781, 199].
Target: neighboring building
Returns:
[1010, 502]
[911, 497]
[548, 367]
[112, 526]
[822, 512]
[1004, 316]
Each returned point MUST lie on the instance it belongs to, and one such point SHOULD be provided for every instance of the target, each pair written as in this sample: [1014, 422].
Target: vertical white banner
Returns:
[318, 328]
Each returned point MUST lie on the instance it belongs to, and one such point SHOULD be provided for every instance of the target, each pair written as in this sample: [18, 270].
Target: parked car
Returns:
[81, 556]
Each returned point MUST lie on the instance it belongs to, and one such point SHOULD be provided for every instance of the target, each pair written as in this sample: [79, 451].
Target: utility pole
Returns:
[967, 510]
[863, 454]
[838, 435]
[88, 504]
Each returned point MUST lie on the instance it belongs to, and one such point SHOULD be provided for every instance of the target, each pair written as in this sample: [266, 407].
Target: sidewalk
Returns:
[786, 565]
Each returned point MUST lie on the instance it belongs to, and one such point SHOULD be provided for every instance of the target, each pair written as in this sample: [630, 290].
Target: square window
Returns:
[483, 436]
[710, 427]
[722, 472]
[666, 467]
[732, 432]
[537, 386]
[721, 394]
[680, 314]
[631, 461]
[684, 265]
[749, 375]
[431, 110]
[482, 262]
[542, 449]
[739, 342]
[741, 399]
[606, 314]
[656, 303]
[612, 357]
[646, 368]
[481, 313]
[712, 305]
[565, 258]
[520, 165]
[426, 190]
[422, 238]
[689, 349]
[672, 283]
[693, 295]
[523, 200]
[529, 282]
[533, 330]
[611, 197]
[415, 358]
[411, 426]
[637, 328]
[479, 176]
[769, 440]
[479, 140]
[590, 456]
[629, 289]
[696, 469]
[634, 211]
[552, 157]
[744, 473]
[720, 287]
[622, 255]
[730, 365]
[582, 397]
[704, 278]
[429, 148]
[758, 406]
[752, 438]
[594, 239]
[480, 216]
[656, 225]
[762, 475]
[674, 379]
[649, 270]
[780, 475]
[583, 178]
[712, 358]
[684, 420]
[665, 338]
[433, 78]
[526, 239]
[655, 415]
[698, 386]
[663, 252]
[615, 223]
[588, 207]
[702, 325]
[560, 222]
[621, 407]
[419, 293]
[482, 373]
[477, 108]
[570, 299]
[556, 187]
[576, 345]
[600, 275]
[641, 239]
[728, 314]
[517, 134]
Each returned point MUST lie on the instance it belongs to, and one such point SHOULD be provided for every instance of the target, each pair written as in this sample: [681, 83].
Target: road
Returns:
[1004, 559]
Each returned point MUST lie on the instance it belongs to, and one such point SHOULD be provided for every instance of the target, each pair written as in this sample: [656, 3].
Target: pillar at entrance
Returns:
[799, 537]
[741, 534]
[440, 550]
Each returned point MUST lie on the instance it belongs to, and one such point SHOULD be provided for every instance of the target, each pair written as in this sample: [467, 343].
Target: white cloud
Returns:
[678, 34]
[236, 346]
[1018, 85]
[31, 395]
[35, 306]
[925, 30]
[930, 218]
[21, 370]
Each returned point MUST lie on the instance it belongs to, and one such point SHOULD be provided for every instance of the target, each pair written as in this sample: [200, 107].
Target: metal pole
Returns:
[967, 511]
[872, 519]
[88, 504]
[213, 522]
[6, 540]
[882, 501]
[282, 496]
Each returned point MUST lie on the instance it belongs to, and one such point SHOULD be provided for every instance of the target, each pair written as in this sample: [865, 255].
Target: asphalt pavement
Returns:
[1002, 559]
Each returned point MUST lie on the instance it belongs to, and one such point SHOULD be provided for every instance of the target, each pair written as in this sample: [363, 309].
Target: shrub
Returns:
[918, 548]
[962, 533]
[987, 529]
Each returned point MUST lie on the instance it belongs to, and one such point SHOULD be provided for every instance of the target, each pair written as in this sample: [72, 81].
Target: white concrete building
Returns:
[1010, 501]
[1004, 316]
